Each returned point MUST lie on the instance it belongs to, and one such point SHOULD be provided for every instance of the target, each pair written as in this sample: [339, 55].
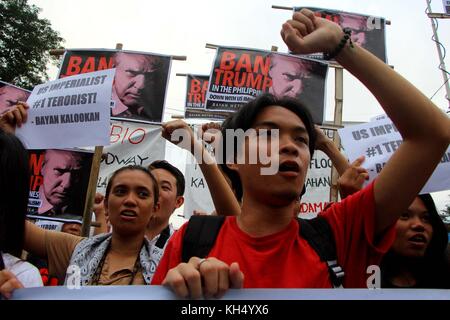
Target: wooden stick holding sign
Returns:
[92, 186]
[90, 193]
[338, 99]
[388, 22]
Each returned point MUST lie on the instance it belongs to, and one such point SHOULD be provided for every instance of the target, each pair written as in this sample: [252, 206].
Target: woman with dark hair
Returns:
[118, 258]
[14, 189]
[417, 257]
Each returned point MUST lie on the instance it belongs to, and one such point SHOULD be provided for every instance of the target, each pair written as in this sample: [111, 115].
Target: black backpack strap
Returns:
[317, 232]
[200, 236]
[163, 237]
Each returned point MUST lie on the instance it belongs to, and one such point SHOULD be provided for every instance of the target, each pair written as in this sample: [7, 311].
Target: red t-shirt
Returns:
[285, 260]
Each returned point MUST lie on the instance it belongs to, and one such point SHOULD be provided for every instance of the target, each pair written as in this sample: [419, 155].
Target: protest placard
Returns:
[58, 184]
[140, 83]
[366, 31]
[10, 95]
[197, 86]
[163, 293]
[317, 183]
[69, 112]
[197, 195]
[378, 140]
[131, 144]
[239, 75]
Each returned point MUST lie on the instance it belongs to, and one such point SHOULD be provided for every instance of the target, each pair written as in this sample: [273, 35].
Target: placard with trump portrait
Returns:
[58, 183]
[140, 83]
[366, 31]
[239, 75]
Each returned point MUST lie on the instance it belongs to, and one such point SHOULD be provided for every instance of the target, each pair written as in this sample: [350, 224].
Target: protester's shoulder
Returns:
[180, 232]
[361, 199]
[62, 238]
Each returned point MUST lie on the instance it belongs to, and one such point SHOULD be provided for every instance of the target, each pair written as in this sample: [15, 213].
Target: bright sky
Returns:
[180, 27]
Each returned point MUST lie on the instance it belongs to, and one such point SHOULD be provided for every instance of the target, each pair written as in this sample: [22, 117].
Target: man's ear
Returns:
[180, 201]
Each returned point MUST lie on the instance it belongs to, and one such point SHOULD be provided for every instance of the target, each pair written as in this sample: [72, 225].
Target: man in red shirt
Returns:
[262, 247]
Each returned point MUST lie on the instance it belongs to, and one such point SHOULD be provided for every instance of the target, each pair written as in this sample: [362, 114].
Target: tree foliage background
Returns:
[25, 41]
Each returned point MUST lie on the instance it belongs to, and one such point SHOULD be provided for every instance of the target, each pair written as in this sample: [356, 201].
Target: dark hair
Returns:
[14, 191]
[139, 168]
[439, 240]
[163, 164]
[432, 270]
[245, 118]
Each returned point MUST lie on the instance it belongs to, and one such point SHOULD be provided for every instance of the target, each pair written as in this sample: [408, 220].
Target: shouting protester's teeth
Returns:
[128, 213]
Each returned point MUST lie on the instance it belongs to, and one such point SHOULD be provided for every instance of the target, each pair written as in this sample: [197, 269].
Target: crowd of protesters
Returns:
[254, 238]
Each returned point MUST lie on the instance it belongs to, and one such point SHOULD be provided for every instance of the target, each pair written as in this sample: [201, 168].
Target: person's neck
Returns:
[126, 245]
[404, 272]
[155, 227]
[405, 279]
[259, 219]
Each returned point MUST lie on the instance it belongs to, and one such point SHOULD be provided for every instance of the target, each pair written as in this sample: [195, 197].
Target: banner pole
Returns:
[338, 98]
[92, 186]
[388, 22]
[90, 193]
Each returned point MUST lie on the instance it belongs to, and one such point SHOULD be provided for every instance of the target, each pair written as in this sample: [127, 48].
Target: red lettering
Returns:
[135, 137]
[267, 83]
[244, 63]
[104, 64]
[205, 86]
[73, 67]
[262, 65]
[228, 78]
[314, 207]
[197, 98]
[36, 163]
[114, 135]
[227, 61]
[140, 133]
[89, 65]
[36, 182]
[219, 74]
[195, 86]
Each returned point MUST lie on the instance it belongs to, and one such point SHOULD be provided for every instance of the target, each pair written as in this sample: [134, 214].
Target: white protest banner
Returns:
[69, 112]
[131, 144]
[142, 292]
[318, 183]
[378, 140]
[379, 117]
[196, 194]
